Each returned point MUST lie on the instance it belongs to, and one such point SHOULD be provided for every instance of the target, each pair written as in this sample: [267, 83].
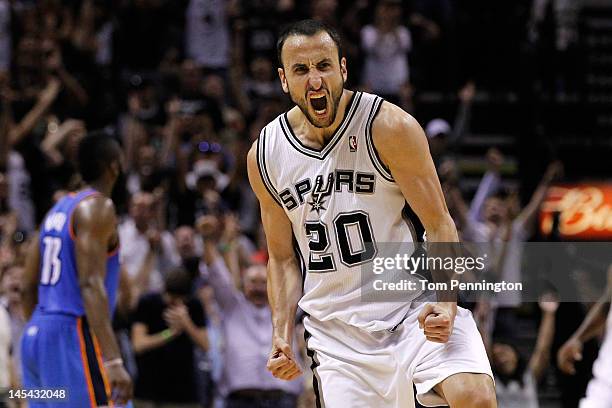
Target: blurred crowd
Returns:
[186, 86]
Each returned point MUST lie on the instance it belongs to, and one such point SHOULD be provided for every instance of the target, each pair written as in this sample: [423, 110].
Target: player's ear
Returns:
[343, 70]
[283, 79]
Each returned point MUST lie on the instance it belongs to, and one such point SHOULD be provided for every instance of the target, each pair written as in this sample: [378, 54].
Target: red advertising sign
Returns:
[585, 211]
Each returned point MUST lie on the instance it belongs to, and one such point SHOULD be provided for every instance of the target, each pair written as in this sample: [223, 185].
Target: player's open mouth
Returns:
[319, 104]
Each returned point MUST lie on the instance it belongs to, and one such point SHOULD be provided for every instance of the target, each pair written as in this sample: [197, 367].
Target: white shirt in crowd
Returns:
[206, 33]
[5, 349]
[516, 395]
[386, 64]
[134, 249]
[19, 191]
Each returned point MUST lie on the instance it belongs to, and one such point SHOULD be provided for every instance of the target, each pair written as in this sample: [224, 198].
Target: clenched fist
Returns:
[437, 319]
[282, 362]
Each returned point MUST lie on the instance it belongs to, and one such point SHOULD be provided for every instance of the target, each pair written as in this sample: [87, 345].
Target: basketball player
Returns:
[599, 391]
[333, 175]
[69, 343]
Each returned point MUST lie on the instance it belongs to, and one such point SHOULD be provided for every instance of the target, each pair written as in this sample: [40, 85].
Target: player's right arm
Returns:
[284, 276]
[95, 224]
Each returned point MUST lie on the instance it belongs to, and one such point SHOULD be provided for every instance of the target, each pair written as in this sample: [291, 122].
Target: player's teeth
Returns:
[320, 112]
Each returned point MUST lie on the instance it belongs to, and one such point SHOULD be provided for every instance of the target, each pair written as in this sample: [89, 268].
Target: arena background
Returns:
[502, 88]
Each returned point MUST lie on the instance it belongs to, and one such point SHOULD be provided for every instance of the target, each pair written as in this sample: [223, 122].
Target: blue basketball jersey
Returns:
[58, 287]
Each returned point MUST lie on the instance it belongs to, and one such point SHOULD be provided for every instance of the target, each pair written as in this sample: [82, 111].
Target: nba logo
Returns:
[353, 143]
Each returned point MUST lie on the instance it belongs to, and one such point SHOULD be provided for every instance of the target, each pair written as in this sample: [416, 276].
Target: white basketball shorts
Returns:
[360, 369]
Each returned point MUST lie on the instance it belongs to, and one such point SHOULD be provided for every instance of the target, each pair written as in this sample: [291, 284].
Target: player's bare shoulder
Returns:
[253, 171]
[252, 155]
[397, 135]
[97, 213]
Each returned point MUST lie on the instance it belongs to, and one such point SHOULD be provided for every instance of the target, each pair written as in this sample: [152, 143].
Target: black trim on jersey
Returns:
[298, 255]
[382, 169]
[315, 377]
[263, 172]
[394, 328]
[418, 231]
[349, 113]
[414, 223]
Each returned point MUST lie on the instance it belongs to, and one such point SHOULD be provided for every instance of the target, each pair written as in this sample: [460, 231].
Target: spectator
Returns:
[167, 328]
[18, 191]
[60, 146]
[261, 83]
[207, 38]
[247, 327]
[11, 286]
[501, 220]
[144, 176]
[198, 192]
[147, 249]
[194, 101]
[189, 249]
[8, 224]
[6, 363]
[443, 139]
[239, 196]
[506, 227]
[26, 161]
[516, 380]
[10, 333]
[386, 44]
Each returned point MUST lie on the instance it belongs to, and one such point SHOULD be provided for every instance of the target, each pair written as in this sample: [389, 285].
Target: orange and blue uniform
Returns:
[59, 351]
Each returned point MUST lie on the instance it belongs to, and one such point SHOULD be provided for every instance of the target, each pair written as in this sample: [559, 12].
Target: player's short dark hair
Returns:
[97, 151]
[307, 28]
[179, 282]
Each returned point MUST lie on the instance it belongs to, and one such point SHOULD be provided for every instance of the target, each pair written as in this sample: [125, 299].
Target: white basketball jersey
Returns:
[343, 204]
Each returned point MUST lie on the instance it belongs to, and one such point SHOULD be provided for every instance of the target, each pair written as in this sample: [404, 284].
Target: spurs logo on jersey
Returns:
[341, 201]
[319, 194]
[358, 183]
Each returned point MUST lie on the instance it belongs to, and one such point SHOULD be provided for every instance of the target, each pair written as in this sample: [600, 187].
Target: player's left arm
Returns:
[402, 146]
[31, 277]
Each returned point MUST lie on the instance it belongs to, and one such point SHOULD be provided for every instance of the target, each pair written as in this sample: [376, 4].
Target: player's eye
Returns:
[300, 70]
[323, 65]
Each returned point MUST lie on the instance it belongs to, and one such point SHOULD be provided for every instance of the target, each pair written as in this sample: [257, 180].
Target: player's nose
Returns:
[314, 81]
